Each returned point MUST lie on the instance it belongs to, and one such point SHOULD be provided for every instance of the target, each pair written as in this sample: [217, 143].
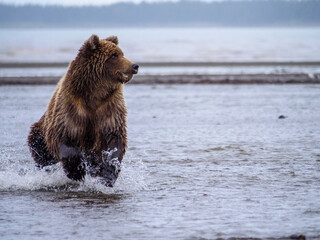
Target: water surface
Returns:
[167, 44]
[204, 161]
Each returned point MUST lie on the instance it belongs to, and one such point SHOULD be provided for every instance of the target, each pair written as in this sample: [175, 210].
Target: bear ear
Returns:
[113, 39]
[93, 42]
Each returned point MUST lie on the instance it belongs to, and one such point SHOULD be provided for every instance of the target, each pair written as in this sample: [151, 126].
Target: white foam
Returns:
[32, 179]
[28, 177]
[131, 179]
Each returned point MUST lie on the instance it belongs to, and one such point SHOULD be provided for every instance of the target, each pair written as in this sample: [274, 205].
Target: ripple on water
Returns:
[183, 176]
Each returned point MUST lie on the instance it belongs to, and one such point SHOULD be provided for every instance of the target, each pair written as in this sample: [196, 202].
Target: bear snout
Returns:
[135, 68]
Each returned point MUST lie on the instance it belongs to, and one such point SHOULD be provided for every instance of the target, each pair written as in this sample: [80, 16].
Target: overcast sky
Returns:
[76, 2]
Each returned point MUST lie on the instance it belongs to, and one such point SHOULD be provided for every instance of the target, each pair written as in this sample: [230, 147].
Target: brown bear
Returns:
[84, 126]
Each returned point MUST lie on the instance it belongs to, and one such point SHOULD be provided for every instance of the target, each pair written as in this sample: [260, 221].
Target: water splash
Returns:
[23, 175]
[30, 178]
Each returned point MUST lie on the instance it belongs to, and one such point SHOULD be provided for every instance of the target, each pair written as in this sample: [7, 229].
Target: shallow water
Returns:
[167, 44]
[204, 161]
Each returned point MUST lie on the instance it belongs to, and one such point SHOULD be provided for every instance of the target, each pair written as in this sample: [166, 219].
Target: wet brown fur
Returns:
[87, 110]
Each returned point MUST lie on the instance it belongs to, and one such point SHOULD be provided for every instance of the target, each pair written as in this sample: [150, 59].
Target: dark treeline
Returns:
[186, 13]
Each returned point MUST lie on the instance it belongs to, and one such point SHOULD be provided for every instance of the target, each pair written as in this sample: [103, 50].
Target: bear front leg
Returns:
[72, 163]
[111, 165]
[106, 164]
[38, 147]
[115, 147]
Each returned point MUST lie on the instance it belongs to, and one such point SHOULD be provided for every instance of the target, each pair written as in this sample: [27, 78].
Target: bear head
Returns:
[102, 61]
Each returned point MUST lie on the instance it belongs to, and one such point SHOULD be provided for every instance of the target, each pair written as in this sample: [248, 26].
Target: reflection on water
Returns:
[204, 161]
[88, 200]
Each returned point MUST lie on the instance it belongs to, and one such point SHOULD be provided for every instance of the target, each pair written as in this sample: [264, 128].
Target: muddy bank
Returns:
[186, 79]
[177, 72]
[168, 64]
[293, 237]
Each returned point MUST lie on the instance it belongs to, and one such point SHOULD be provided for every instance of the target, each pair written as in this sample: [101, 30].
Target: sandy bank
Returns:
[186, 79]
[166, 64]
[308, 75]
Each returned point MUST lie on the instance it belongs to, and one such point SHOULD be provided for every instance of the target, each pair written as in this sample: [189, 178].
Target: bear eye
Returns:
[114, 56]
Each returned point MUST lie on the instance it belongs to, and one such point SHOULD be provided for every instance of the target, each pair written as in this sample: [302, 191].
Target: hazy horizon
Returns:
[81, 2]
[70, 3]
[182, 13]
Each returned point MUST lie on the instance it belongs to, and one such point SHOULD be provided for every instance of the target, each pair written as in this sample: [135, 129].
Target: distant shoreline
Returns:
[170, 64]
[23, 26]
[186, 79]
[191, 13]
[228, 78]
